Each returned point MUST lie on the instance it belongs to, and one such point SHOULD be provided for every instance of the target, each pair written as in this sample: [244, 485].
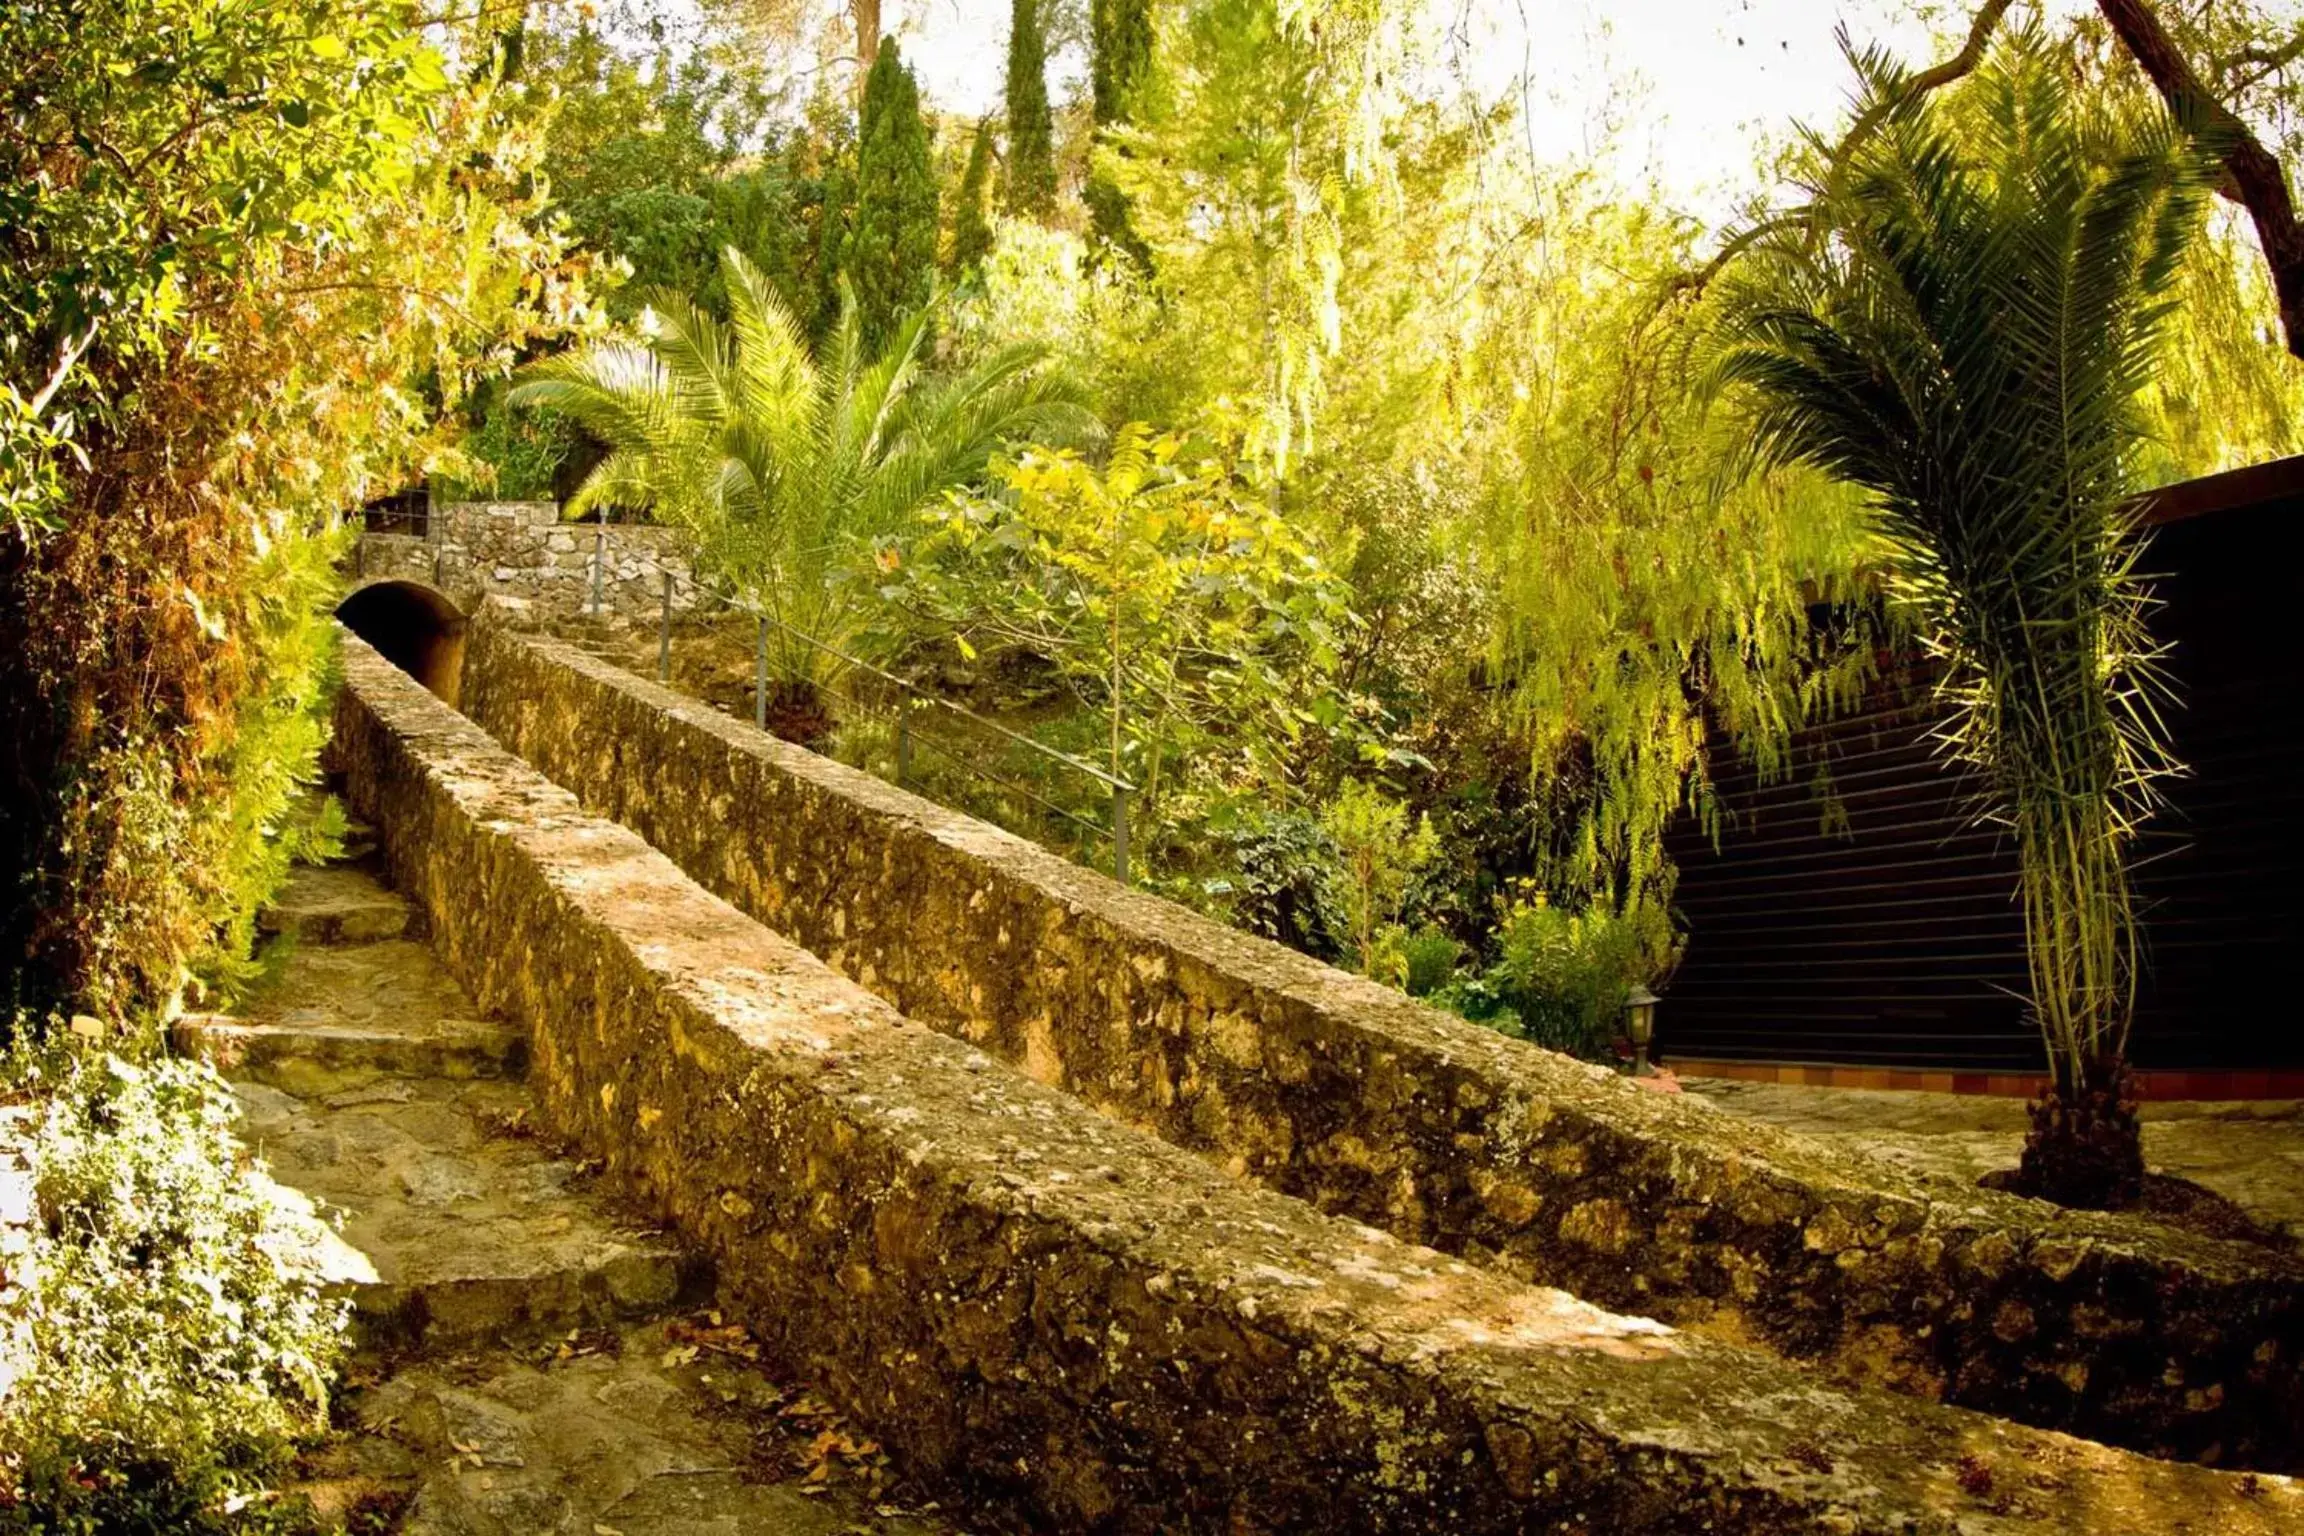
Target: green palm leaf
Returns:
[786, 465]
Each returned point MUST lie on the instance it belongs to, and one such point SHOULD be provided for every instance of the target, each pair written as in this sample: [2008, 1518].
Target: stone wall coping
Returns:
[1027, 1298]
[1369, 1104]
[1392, 1018]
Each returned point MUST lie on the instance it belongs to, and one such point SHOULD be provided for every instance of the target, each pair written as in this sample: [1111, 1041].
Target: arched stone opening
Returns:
[415, 628]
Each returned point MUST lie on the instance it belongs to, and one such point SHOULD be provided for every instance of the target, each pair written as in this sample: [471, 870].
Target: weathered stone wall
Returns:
[523, 550]
[1349, 1095]
[1046, 1310]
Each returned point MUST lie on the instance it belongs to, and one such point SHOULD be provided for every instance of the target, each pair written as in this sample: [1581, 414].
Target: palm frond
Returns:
[788, 465]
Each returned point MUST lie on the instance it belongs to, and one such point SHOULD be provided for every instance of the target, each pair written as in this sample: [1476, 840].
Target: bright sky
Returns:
[1699, 85]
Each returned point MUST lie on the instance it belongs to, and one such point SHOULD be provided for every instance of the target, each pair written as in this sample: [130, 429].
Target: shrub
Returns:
[1563, 974]
[511, 455]
[1269, 868]
[1381, 849]
[165, 1336]
[1428, 960]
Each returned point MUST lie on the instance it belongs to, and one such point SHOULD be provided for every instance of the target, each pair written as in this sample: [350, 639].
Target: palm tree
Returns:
[788, 468]
[1960, 324]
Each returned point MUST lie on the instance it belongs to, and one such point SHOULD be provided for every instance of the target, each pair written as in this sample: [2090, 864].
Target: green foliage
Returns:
[1103, 322]
[1962, 324]
[1381, 848]
[890, 258]
[1647, 592]
[971, 227]
[835, 220]
[789, 468]
[1428, 960]
[1119, 56]
[1561, 976]
[1166, 595]
[1269, 870]
[660, 161]
[232, 236]
[171, 1336]
[1031, 131]
[1257, 158]
[512, 455]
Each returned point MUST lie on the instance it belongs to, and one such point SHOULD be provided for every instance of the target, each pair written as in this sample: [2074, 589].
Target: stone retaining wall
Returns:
[524, 550]
[1334, 1089]
[1075, 1323]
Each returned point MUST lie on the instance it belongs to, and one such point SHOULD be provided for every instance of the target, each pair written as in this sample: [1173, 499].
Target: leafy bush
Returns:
[1380, 850]
[1167, 595]
[163, 1340]
[512, 455]
[200, 410]
[1428, 960]
[1563, 975]
[1269, 867]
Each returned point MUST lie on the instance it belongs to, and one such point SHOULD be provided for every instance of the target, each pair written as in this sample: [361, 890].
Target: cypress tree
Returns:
[1120, 55]
[1031, 133]
[891, 256]
[1120, 52]
[971, 232]
[835, 199]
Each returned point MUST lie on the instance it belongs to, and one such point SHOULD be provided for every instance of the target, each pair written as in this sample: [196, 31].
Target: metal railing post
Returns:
[599, 561]
[664, 635]
[903, 738]
[1120, 833]
[760, 677]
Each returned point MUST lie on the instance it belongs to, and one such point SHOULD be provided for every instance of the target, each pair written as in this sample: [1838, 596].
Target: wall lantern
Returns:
[1640, 1026]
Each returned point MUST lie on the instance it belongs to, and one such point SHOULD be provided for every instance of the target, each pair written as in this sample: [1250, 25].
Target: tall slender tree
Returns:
[971, 231]
[1120, 56]
[1031, 132]
[891, 251]
[1962, 326]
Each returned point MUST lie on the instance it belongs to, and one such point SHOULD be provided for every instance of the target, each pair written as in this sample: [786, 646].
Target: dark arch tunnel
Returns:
[413, 627]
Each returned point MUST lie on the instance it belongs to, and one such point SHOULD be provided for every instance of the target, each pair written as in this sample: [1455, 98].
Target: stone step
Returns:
[652, 1429]
[315, 1056]
[472, 1229]
[359, 840]
[348, 999]
[336, 904]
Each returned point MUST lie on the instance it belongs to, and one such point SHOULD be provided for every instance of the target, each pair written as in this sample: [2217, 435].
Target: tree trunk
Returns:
[2253, 176]
[866, 14]
[2086, 1146]
[798, 712]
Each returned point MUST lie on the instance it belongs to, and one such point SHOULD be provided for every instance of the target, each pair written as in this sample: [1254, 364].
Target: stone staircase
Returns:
[532, 1360]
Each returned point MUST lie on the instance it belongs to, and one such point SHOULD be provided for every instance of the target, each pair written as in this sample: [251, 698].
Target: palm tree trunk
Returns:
[2085, 1148]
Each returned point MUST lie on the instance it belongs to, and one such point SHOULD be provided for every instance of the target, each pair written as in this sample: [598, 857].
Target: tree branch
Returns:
[1934, 77]
[2269, 61]
[2253, 176]
[66, 356]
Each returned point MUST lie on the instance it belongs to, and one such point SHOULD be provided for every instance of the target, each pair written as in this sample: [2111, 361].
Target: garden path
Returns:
[533, 1361]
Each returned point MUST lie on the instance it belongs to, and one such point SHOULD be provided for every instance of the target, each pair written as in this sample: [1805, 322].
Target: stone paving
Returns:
[534, 1362]
[2249, 1151]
